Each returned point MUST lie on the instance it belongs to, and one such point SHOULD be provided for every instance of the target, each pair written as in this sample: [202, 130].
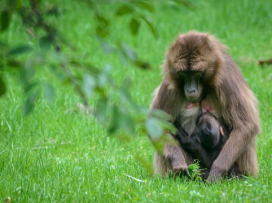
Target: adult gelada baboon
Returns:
[198, 66]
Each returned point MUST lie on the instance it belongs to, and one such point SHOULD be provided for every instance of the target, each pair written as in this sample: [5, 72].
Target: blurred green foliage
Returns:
[114, 110]
[57, 154]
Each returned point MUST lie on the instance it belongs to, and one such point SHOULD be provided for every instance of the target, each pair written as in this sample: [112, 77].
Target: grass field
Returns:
[83, 164]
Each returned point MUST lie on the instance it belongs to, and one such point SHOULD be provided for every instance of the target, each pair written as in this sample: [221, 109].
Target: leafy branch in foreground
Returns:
[115, 108]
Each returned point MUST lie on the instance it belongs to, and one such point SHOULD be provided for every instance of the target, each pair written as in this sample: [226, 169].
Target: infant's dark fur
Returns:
[206, 142]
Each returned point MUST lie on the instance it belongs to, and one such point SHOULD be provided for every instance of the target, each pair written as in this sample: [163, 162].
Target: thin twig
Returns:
[51, 33]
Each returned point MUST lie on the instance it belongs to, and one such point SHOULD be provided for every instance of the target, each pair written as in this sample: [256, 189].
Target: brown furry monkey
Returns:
[197, 66]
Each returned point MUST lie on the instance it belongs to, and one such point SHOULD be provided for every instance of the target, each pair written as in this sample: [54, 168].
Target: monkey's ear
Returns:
[221, 131]
[206, 45]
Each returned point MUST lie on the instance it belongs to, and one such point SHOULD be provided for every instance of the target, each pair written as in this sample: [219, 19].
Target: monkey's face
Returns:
[191, 65]
[192, 85]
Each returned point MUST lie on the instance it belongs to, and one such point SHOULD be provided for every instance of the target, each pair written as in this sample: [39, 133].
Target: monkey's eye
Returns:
[183, 77]
[201, 76]
[181, 74]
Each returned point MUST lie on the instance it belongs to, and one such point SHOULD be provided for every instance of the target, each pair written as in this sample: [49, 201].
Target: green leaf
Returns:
[126, 98]
[158, 144]
[107, 48]
[15, 4]
[89, 83]
[168, 126]
[129, 53]
[14, 63]
[123, 57]
[56, 71]
[146, 164]
[5, 20]
[126, 83]
[29, 104]
[37, 1]
[45, 43]
[160, 114]
[115, 124]
[153, 128]
[18, 4]
[64, 41]
[122, 10]
[102, 20]
[146, 5]
[124, 93]
[25, 76]
[101, 110]
[127, 123]
[134, 26]
[102, 80]
[3, 45]
[29, 86]
[163, 120]
[3, 48]
[20, 50]
[102, 31]
[142, 64]
[107, 69]
[48, 91]
[185, 3]
[151, 26]
[3, 87]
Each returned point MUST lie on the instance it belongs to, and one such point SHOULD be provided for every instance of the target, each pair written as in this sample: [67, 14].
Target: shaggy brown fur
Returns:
[232, 99]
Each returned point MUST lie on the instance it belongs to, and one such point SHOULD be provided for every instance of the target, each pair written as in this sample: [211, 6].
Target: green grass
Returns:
[83, 164]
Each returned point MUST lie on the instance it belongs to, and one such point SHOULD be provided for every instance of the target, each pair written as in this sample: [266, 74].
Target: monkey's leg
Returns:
[161, 165]
[247, 162]
[174, 159]
[177, 164]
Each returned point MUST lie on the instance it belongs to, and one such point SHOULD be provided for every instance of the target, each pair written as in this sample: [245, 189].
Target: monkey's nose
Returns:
[191, 91]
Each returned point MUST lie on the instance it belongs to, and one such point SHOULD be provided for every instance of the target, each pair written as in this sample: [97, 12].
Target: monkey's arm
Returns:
[168, 101]
[174, 155]
[235, 146]
[241, 113]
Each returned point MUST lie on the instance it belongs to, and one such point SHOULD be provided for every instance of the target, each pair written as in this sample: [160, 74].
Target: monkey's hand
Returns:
[205, 174]
[176, 158]
[215, 175]
[180, 169]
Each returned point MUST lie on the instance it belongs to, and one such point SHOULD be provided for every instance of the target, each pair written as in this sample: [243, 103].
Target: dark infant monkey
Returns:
[206, 142]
